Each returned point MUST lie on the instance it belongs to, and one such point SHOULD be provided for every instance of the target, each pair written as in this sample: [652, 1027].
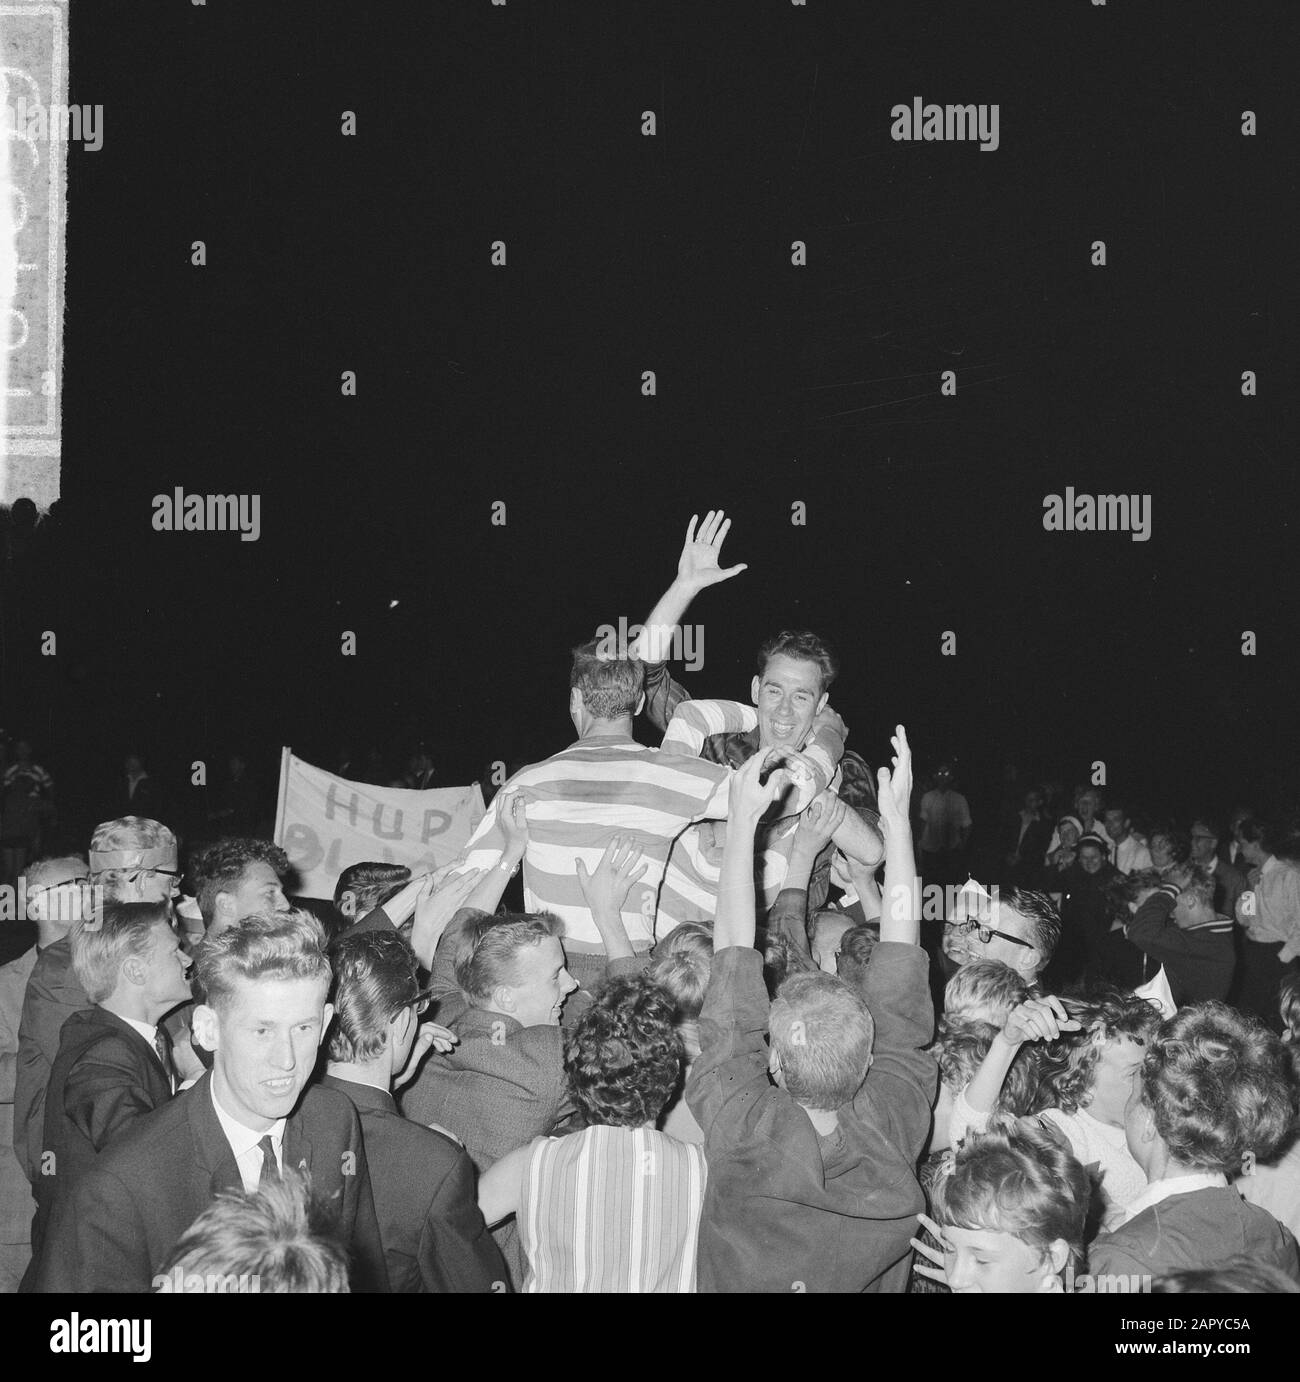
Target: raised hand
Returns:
[750, 797]
[621, 865]
[429, 1036]
[894, 789]
[697, 567]
[511, 807]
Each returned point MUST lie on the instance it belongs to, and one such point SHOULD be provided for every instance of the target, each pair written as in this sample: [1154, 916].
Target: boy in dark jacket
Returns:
[811, 1183]
[1177, 926]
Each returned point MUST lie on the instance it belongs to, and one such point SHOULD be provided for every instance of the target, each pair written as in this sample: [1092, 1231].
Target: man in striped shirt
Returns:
[790, 711]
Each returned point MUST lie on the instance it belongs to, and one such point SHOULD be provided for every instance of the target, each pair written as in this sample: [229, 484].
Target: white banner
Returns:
[324, 823]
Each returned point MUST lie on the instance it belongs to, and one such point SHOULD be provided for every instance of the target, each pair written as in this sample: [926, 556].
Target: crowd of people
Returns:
[727, 1044]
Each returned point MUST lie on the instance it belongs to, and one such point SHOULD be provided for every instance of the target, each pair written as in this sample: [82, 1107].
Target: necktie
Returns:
[163, 1046]
[270, 1168]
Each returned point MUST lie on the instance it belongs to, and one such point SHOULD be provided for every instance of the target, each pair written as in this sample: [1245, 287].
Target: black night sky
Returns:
[776, 384]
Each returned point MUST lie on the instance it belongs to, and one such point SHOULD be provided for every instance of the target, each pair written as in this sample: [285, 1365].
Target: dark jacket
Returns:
[53, 994]
[1198, 960]
[785, 1209]
[1201, 1229]
[433, 1234]
[105, 1076]
[121, 1221]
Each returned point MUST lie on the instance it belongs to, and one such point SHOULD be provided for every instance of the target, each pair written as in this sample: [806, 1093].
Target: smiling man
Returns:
[266, 980]
[790, 697]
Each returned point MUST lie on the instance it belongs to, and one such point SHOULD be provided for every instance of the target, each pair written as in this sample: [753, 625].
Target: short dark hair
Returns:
[804, 646]
[1219, 1086]
[375, 977]
[1180, 842]
[1038, 909]
[610, 686]
[372, 883]
[279, 1237]
[219, 867]
[623, 1058]
[487, 946]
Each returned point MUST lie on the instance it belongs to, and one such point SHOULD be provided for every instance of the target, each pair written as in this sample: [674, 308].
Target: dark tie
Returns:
[162, 1044]
[270, 1168]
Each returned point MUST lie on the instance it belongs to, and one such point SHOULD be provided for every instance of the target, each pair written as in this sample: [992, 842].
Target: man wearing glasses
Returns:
[132, 859]
[1018, 926]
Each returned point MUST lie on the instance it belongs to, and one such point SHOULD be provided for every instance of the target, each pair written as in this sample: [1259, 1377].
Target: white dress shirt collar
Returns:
[1176, 1185]
[149, 1033]
[244, 1143]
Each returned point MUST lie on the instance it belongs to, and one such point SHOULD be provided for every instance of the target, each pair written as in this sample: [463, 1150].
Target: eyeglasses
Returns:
[986, 933]
[135, 875]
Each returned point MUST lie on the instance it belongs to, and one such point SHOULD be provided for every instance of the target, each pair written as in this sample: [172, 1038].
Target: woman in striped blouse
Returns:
[616, 1207]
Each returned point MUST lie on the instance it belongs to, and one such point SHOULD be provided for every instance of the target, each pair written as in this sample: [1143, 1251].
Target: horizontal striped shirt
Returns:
[612, 1210]
[579, 800]
[690, 887]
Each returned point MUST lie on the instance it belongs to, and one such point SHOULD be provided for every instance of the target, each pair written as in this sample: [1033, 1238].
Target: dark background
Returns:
[775, 383]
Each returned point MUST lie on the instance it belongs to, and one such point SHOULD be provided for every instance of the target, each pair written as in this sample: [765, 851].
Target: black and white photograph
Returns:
[649, 648]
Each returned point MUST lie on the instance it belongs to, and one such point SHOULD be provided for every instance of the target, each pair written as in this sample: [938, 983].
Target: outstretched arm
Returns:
[697, 568]
[734, 924]
[900, 914]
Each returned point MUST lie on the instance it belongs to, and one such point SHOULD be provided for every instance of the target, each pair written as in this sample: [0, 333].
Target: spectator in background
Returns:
[1171, 847]
[1032, 830]
[26, 802]
[1229, 882]
[1178, 928]
[236, 809]
[277, 1241]
[1128, 853]
[138, 797]
[945, 832]
[1087, 918]
[1270, 917]
[1064, 851]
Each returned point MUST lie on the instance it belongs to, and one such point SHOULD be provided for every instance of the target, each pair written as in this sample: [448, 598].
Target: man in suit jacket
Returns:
[433, 1233]
[133, 859]
[266, 980]
[114, 1062]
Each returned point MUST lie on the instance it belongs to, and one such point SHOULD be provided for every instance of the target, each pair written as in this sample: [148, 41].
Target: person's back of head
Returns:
[602, 685]
[1217, 1089]
[821, 1040]
[276, 1241]
[623, 1058]
[856, 945]
[363, 887]
[375, 980]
